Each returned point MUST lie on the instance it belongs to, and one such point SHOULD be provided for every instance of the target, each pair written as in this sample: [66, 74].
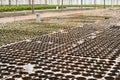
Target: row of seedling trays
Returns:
[84, 55]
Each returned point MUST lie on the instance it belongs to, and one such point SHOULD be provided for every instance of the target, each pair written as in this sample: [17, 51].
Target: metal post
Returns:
[33, 7]
[104, 3]
[45, 2]
[9, 2]
[29, 2]
[94, 4]
[81, 3]
[62, 5]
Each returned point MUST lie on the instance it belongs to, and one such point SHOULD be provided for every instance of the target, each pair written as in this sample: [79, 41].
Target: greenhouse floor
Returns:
[47, 14]
[82, 46]
[79, 53]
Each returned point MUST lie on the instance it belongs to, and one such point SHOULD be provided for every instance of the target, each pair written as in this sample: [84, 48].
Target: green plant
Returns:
[6, 8]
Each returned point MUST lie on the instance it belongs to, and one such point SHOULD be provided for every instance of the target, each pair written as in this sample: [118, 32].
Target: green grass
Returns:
[6, 8]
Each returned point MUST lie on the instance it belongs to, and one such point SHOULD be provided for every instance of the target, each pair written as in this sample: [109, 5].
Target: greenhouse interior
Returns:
[59, 39]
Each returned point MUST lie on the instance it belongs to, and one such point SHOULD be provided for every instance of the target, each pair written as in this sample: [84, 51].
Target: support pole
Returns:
[94, 4]
[62, 5]
[33, 11]
[81, 4]
[104, 4]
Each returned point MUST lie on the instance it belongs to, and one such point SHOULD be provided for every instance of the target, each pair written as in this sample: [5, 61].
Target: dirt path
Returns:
[48, 14]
